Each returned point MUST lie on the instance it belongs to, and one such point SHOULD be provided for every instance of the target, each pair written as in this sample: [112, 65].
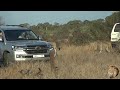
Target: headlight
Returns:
[17, 47]
[50, 47]
[13, 47]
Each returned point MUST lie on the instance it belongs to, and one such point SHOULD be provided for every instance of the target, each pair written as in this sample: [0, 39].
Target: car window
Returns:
[1, 35]
[117, 28]
[13, 35]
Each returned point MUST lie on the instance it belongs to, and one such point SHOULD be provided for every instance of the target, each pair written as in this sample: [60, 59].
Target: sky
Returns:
[61, 17]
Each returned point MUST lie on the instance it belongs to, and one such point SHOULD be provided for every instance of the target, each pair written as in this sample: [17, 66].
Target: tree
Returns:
[86, 22]
[25, 25]
[56, 24]
[114, 18]
[75, 24]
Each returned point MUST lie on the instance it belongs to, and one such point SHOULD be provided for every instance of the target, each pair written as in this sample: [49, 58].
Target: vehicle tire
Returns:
[5, 59]
[117, 48]
[114, 48]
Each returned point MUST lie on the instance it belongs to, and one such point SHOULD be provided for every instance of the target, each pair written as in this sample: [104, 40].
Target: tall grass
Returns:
[81, 62]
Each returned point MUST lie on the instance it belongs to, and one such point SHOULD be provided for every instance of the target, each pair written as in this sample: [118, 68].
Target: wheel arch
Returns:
[6, 51]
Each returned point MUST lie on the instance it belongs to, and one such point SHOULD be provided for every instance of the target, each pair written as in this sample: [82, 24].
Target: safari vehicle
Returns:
[18, 43]
[115, 36]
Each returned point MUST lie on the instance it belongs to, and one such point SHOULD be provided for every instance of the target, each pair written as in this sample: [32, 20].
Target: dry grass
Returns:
[83, 62]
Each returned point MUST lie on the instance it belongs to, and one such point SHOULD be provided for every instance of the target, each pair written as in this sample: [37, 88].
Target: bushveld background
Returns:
[85, 51]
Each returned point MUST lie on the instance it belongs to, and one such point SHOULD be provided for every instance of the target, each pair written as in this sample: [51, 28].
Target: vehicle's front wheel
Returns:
[5, 59]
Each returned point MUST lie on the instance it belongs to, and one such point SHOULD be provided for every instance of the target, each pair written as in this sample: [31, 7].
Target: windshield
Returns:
[117, 28]
[13, 35]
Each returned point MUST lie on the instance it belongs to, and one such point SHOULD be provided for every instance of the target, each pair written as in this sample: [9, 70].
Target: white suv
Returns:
[115, 35]
[21, 44]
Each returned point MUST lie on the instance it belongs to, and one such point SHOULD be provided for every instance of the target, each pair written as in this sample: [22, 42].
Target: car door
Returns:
[115, 35]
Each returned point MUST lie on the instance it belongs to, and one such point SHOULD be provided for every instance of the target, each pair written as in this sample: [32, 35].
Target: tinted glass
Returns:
[13, 35]
[117, 28]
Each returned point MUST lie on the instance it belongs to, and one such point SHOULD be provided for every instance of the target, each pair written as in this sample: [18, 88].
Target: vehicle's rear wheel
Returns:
[116, 47]
[5, 59]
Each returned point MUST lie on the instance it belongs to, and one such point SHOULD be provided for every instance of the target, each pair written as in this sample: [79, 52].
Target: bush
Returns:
[80, 38]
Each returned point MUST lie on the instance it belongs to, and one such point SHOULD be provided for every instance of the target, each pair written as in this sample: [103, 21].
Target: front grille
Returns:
[33, 46]
[36, 49]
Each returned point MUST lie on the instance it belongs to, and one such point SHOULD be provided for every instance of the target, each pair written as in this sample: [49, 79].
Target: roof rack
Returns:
[15, 25]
